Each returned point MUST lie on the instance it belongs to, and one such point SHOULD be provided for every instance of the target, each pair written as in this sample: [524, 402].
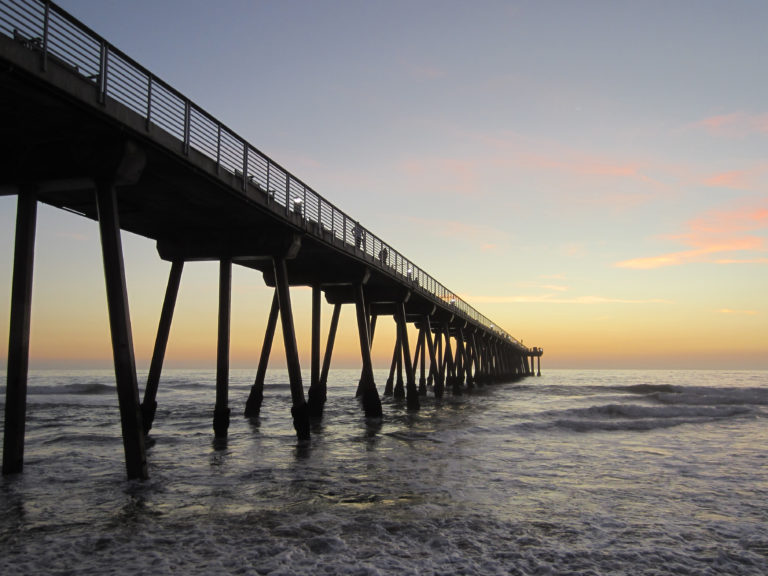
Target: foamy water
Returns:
[576, 472]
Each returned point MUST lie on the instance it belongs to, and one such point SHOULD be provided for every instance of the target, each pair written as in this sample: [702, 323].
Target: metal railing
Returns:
[43, 26]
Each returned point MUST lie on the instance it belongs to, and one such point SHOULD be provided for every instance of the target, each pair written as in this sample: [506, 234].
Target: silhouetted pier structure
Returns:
[88, 130]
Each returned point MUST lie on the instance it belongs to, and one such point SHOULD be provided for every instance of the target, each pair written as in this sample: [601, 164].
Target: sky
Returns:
[591, 176]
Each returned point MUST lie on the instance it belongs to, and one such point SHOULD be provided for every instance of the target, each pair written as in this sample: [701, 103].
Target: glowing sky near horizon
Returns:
[592, 176]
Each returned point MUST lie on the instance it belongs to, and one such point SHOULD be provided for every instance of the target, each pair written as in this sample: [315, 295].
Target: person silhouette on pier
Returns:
[359, 233]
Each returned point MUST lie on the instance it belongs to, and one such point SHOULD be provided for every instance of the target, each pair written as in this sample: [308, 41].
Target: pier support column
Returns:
[448, 360]
[389, 387]
[466, 362]
[431, 349]
[370, 323]
[440, 366]
[120, 327]
[412, 393]
[18, 340]
[399, 382]
[370, 396]
[421, 353]
[256, 395]
[317, 394]
[538, 365]
[329, 346]
[299, 409]
[149, 405]
[221, 411]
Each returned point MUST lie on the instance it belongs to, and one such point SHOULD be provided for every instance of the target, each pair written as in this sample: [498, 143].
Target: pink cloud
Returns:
[426, 72]
[487, 238]
[735, 124]
[715, 232]
[735, 179]
[452, 174]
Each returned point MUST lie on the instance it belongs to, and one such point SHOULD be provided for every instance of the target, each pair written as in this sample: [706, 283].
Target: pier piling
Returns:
[149, 404]
[18, 341]
[120, 327]
[412, 393]
[370, 396]
[317, 394]
[256, 395]
[299, 409]
[221, 411]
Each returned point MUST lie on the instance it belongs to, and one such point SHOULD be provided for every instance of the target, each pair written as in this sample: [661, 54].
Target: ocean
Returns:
[576, 472]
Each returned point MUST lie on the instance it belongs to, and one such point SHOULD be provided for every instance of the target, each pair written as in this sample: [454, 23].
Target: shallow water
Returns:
[576, 472]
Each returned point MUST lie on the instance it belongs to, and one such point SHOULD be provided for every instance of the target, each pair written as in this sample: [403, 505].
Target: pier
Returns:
[88, 130]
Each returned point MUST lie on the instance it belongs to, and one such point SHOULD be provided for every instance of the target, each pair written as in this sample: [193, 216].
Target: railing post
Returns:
[186, 127]
[149, 100]
[218, 150]
[46, 19]
[103, 61]
[245, 166]
[287, 193]
[269, 174]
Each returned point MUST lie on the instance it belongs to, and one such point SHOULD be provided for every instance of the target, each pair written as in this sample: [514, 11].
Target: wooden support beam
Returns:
[450, 369]
[329, 345]
[422, 356]
[221, 411]
[466, 364]
[389, 388]
[458, 363]
[18, 340]
[256, 395]
[120, 327]
[299, 409]
[433, 370]
[440, 366]
[370, 396]
[399, 382]
[477, 377]
[317, 394]
[149, 405]
[412, 393]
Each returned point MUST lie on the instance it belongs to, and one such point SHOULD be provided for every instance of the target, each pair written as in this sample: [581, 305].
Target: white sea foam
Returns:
[572, 473]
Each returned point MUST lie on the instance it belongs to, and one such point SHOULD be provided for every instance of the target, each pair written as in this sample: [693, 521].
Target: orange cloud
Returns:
[549, 299]
[715, 232]
[738, 312]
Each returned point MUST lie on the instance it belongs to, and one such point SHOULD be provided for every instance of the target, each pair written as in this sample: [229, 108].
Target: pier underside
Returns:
[69, 144]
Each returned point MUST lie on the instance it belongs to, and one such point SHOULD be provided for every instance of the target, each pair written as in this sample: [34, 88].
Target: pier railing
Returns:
[44, 27]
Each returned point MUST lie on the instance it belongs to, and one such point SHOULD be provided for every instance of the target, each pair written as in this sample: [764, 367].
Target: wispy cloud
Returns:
[713, 234]
[738, 312]
[486, 237]
[426, 72]
[551, 299]
[734, 124]
[734, 179]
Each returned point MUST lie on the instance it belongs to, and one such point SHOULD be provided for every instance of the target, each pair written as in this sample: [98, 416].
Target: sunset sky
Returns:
[592, 176]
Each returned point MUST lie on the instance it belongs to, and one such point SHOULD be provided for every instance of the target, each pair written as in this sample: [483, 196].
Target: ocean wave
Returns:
[613, 417]
[84, 388]
[700, 395]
